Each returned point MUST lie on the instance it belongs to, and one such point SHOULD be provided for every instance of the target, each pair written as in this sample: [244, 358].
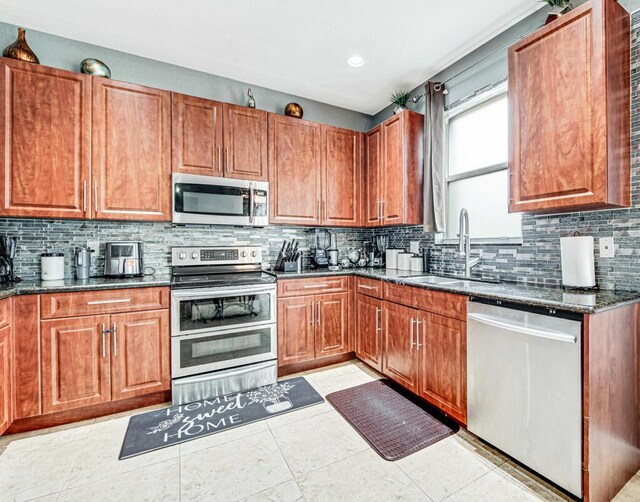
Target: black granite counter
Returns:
[587, 302]
[70, 284]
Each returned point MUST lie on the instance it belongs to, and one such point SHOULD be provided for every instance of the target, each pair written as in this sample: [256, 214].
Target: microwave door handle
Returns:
[251, 197]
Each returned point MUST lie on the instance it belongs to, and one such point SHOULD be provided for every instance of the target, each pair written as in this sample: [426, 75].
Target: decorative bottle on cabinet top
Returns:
[20, 49]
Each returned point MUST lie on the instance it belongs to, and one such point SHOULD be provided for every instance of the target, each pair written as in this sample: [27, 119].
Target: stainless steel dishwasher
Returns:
[524, 387]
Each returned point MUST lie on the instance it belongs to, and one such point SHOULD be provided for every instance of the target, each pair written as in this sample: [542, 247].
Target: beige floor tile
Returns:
[233, 471]
[342, 382]
[286, 492]
[332, 371]
[361, 477]
[448, 465]
[47, 437]
[299, 414]
[98, 459]
[155, 483]
[630, 492]
[130, 413]
[317, 441]
[222, 437]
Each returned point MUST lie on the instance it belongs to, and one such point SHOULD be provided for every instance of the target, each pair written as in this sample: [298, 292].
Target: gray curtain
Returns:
[434, 177]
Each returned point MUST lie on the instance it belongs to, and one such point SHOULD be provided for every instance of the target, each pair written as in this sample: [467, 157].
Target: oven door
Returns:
[213, 351]
[215, 309]
[219, 201]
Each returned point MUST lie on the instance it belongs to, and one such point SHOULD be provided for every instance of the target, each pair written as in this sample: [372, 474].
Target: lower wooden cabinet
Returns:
[331, 337]
[296, 331]
[368, 313]
[6, 377]
[400, 360]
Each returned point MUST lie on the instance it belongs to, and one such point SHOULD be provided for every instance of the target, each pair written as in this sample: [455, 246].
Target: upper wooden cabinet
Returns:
[569, 102]
[45, 147]
[245, 143]
[131, 151]
[394, 171]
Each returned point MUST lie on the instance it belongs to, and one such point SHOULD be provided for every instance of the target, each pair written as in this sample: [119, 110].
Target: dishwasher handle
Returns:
[521, 328]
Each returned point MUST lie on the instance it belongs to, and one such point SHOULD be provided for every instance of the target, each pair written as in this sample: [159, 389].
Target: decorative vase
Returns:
[20, 49]
[278, 406]
[293, 110]
[95, 67]
[558, 11]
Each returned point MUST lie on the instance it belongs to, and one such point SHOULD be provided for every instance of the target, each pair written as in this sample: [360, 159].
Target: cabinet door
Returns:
[296, 320]
[131, 151]
[45, 132]
[294, 170]
[6, 379]
[369, 330]
[140, 356]
[332, 316]
[196, 135]
[245, 143]
[400, 360]
[75, 363]
[443, 364]
[392, 176]
[372, 183]
[341, 169]
[557, 139]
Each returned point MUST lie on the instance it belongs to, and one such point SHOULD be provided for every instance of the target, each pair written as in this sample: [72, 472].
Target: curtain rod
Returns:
[439, 86]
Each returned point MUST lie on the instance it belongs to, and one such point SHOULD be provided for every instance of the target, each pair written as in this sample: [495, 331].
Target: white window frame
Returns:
[494, 93]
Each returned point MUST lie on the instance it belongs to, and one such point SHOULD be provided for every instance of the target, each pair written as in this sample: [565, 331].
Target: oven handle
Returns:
[221, 294]
[225, 373]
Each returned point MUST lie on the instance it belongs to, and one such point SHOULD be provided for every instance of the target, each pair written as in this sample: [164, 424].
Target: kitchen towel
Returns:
[578, 267]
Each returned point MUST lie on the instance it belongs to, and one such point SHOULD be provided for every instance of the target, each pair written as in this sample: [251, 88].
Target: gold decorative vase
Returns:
[293, 110]
[20, 49]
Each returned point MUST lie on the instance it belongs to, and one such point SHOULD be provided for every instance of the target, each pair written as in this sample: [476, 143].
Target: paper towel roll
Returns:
[391, 258]
[404, 261]
[578, 267]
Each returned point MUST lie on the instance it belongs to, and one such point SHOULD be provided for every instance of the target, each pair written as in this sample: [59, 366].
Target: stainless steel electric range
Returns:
[223, 322]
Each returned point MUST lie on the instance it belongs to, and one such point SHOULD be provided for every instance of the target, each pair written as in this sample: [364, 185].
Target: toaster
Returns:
[123, 259]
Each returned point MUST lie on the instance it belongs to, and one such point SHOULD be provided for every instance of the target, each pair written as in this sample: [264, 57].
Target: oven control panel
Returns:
[185, 256]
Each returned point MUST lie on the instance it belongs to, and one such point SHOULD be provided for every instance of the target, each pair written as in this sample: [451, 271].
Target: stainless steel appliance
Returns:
[321, 243]
[7, 254]
[524, 387]
[209, 200]
[123, 259]
[223, 322]
[82, 262]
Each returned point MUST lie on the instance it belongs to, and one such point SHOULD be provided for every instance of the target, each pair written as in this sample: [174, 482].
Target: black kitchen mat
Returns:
[170, 426]
[393, 424]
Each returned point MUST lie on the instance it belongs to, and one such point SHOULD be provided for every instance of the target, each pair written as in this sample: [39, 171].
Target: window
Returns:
[476, 169]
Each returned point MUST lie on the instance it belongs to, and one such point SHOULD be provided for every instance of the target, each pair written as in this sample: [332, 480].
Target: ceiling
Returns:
[294, 46]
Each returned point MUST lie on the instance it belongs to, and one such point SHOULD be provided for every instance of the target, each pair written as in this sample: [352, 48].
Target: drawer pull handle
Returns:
[364, 286]
[105, 302]
[317, 286]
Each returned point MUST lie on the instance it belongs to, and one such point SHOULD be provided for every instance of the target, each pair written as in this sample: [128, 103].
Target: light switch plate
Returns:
[607, 249]
[95, 245]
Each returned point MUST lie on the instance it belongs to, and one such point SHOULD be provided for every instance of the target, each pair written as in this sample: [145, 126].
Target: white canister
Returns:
[416, 263]
[391, 258]
[404, 261]
[52, 266]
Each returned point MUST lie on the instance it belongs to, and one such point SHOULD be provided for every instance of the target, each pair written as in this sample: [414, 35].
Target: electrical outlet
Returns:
[414, 247]
[95, 245]
[607, 248]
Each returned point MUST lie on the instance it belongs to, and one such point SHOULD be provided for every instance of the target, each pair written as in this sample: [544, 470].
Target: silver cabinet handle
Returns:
[84, 196]
[95, 196]
[319, 313]
[115, 340]
[324, 203]
[105, 302]
[220, 158]
[227, 159]
[412, 323]
[379, 210]
[377, 321]
[382, 210]
[316, 286]
[104, 348]
[313, 314]
[319, 213]
[418, 334]
[364, 286]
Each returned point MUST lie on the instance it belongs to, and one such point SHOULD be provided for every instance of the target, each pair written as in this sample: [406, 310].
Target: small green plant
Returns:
[400, 98]
[558, 3]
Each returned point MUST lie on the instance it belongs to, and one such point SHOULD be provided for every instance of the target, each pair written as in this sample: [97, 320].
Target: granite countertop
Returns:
[33, 287]
[571, 300]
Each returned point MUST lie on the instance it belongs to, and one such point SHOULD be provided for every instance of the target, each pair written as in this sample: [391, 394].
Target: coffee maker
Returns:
[321, 243]
[7, 254]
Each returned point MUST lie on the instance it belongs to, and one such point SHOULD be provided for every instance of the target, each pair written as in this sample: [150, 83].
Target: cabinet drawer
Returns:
[312, 286]
[438, 302]
[5, 312]
[56, 305]
[369, 287]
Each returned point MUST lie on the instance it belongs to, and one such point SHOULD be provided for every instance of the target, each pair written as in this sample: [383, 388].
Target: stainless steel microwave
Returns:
[207, 200]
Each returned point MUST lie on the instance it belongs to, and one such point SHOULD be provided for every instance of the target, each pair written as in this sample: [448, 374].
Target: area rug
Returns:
[169, 426]
[394, 424]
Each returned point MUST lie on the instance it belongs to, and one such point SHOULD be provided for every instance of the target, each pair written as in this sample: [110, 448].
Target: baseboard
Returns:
[315, 364]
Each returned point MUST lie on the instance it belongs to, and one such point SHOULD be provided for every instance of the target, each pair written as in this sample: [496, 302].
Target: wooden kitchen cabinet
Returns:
[296, 329]
[196, 135]
[131, 151]
[6, 379]
[368, 312]
[75, 363]
[245, 143]
[569, 112]
[331, 334]
[394, 171]
[141, 353]
[443, 364]
[45, 147]
[400, 358]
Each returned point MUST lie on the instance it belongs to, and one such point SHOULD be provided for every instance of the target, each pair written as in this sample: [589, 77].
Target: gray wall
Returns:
[65, 53]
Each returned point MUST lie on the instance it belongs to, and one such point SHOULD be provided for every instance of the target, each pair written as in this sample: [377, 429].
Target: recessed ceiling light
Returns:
[355, 61]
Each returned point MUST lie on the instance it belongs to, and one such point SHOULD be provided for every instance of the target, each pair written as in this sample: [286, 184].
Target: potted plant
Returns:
[558, 8]
[400, 99]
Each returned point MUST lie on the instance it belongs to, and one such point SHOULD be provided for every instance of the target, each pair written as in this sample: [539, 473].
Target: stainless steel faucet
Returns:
[464, 243]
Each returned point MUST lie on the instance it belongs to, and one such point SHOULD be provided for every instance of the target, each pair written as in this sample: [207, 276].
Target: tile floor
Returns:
[306, 455]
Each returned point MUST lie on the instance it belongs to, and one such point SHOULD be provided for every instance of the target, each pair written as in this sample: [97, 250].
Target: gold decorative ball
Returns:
[293, 110]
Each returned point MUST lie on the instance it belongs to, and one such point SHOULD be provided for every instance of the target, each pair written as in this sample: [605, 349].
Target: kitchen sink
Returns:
[434, 279]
